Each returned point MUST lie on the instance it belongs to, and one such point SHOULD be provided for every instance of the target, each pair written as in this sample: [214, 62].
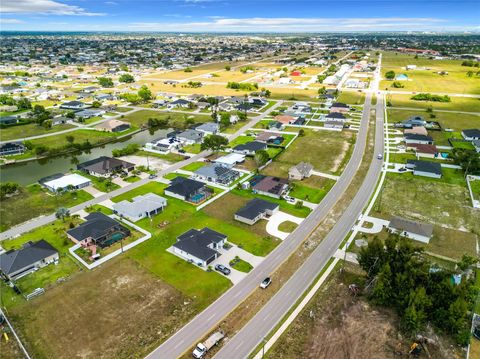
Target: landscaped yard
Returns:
[100, 183]
[287, 226]
[241, 265]
[33, 201]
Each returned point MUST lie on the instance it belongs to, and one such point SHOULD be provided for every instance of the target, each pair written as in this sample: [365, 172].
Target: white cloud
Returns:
[111, 3]
[286, 24]
[10, 21]
[46, 7]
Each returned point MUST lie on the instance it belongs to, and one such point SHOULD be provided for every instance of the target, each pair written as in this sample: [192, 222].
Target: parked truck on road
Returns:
[202, 348]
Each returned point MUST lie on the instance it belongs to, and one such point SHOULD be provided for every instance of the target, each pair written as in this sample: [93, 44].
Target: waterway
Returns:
[30, 172]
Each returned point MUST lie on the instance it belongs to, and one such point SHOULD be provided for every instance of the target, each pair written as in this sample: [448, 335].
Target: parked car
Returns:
[289, 199]
[380, 156]
[222, 269]
[152, 176]
[403, 169]
[265, 283]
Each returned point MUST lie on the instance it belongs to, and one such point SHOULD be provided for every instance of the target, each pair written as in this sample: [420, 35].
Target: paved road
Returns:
[43, 220]
[198, 327]
[252, 334]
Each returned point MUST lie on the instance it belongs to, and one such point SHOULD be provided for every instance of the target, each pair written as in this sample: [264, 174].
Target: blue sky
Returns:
[240, 15]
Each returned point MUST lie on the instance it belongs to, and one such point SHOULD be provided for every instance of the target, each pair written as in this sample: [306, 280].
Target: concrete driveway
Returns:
[93, 191]
[277, 219]
[227, 255]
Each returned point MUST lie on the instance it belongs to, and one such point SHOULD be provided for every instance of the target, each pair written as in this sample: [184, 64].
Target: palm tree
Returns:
[62, 213]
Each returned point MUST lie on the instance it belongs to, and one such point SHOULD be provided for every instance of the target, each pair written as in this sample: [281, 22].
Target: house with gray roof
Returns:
[250, 148]
[105, 166]
[425, 168]
[199, 246]
[190, 137]
[142, 206]
[15, 264]
[216, 173]
[300, 171]
[255, 210]
[209, 128]
[418, 231]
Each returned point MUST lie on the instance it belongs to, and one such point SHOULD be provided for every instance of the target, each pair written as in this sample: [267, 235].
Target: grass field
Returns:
[432, 201]
[119, 310]
[456, 121]
[325, 150]
[194, 166]
[29, 130]
[314, 192]
[351, 97]
[141, 117]
[80, 136]
[426, 78]
[465, 104]
[33, 201]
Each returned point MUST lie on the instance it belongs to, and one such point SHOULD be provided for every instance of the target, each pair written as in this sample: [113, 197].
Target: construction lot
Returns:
[337, 325]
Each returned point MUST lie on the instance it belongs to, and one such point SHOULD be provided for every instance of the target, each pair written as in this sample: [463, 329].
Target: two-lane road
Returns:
[204, 322]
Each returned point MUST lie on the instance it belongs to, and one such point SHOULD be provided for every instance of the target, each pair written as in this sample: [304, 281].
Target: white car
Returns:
[265, 283]
[380, 156]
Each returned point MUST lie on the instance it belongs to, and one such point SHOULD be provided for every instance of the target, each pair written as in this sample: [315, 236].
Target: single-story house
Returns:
[105, 166]
[190, 137]
[8, 120]
[418, 231]
[209, 128]
[414, 121]
[216, 173]
[275, 125]
[471, 134]
[285, 119]
[141, 206]
[425, 168]
[269, 186]
[11, 148]
[188, 189]
[179, 103]
[159, 103]
[416, 130]
[335, 116]
[15, 264]
[338, 125]
[300, 171]
[339, 107]
[98, 229]
[230, 160]
[60, 120]
[89, 113]
[424, 150]
[250, 148]
[73, 105]
[414, 138]
[199, 246]
[476, 144]
[113, 126]
[65, 182]
[269, 137]
[164, 145]
[255, 210]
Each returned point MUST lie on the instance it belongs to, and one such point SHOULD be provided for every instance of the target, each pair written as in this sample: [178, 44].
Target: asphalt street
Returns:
[247, 339]
[43, 220]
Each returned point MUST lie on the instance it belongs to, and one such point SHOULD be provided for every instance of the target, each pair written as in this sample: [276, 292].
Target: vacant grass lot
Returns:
[428, 200]
[33, 201]
[426, 78]
[141, 117]
[80, 136]
[119, 310]
[196, 71]
[29, 130]
[456, 121]
[352, 97]
[313, 193]
[465, 104]
[194, 166]
[325, 150]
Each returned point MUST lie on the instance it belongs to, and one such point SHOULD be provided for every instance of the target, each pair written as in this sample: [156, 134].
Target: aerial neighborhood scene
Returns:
[230, 180]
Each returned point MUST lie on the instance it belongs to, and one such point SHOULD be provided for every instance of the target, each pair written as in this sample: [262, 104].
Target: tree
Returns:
[8, 188]
[370, 257]
[24, 104]
[126, 78]
[70, 138]
[96, 104]
[214, 143]
[62, 213]
[470, 73]
[267, 93]
[105, 81]
[224, 120]
[133, 98]
[390, 75]
[228, 68]
[301, 132]
[261, 157]
[144, 93]
[469, 160]
[70, 114]
[322, 90]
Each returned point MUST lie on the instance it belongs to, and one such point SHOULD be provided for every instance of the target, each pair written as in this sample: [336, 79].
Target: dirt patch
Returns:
[151, 161]
[339, 159]
[117, 311]
[335, 325]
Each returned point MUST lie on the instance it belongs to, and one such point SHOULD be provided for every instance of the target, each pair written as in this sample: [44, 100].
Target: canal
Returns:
[30, 172]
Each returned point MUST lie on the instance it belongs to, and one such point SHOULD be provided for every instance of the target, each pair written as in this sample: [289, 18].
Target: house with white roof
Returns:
[141, 206]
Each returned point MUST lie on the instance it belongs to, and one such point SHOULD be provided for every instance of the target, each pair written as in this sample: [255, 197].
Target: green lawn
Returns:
[175, 119]
[29, 130]
[240, 140]
[192, 167]
[151, 187]
[99, 208]
[192, 148]
[287, 226]
[46, 277]
[425, 78]
[456, 104]
[131, 179]
[475, 186]
[123, 109]
[80, 136]
[100, 183]
[241, 265]
[33, 201]
[170, 157]
[456, 121]
[352, 97]
[234, 127]
[311, 194]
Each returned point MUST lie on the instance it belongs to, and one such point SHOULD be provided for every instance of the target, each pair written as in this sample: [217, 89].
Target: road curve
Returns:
[204, 322]
[252, 334]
